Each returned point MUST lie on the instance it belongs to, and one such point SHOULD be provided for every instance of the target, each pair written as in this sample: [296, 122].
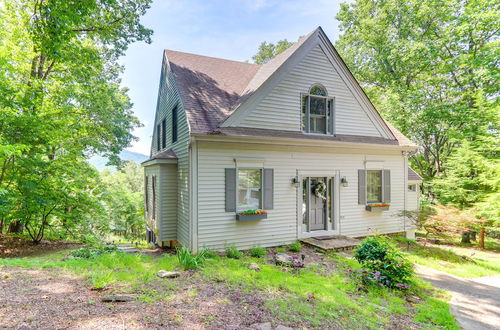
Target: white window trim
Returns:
[261, 197]
[381, 170]
[308, 113]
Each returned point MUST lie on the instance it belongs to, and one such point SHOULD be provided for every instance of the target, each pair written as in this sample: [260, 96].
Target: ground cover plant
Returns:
[460, 261]
[384, 262]
[321, 295]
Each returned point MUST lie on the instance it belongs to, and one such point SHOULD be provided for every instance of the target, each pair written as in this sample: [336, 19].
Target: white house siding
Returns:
[281, 108]
[168, 202]
[413, 196]
[216, 228]
[167, 99]
[149, 172]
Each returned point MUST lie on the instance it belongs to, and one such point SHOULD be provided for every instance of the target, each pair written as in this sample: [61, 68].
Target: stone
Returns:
[254, 266]
[283, 259]
[261, 326]
[167, 274]
[118, 297]
[282, 327]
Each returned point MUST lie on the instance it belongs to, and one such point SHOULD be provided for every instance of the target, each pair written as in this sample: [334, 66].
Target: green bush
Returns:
[295, 246]
[257, 251]
[90, 253]
[189, 260]
[232, 252]
[377, 254]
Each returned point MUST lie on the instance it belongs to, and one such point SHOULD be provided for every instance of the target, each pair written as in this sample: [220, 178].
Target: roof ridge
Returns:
[211, 57]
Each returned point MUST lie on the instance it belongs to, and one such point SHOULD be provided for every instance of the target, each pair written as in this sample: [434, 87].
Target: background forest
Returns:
[430, 67]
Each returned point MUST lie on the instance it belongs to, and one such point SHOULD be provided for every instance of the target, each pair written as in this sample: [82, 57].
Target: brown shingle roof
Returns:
[272, 133]
[209, 86]
[412, 175]
[166, 154]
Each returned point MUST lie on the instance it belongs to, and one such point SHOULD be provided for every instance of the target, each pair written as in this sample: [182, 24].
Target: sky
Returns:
[231, 29]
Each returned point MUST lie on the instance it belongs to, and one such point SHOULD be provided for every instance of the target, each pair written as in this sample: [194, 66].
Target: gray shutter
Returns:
[268, 185]
[387, 186]
[230, 189]
[362, 187]
[331, 104]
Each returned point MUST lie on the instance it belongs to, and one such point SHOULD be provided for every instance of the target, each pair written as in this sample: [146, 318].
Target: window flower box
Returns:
[377, 207]
[251, 215]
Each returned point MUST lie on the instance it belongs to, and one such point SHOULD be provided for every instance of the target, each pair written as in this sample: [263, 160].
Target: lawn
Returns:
[465, 262]
[320, 295]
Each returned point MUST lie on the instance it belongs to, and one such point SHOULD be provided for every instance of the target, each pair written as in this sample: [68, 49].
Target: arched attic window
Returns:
[318, 115]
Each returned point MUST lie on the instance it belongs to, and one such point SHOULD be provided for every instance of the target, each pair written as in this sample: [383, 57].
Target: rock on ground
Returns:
[167, 274]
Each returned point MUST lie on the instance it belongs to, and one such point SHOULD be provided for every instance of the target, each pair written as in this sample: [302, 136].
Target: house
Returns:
[296, 137]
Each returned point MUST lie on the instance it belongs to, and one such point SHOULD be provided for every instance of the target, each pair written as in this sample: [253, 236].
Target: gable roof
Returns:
[212, 89]
[413, 176]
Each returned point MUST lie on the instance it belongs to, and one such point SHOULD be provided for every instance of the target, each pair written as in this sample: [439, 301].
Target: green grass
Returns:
[463, 262]
[310, 296]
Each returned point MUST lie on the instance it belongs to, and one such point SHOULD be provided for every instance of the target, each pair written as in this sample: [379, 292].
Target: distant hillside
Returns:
[100, 162]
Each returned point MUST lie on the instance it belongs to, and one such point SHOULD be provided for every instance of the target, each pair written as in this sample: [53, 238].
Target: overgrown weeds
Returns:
[233, 253]
[257, 252]
[189, 260]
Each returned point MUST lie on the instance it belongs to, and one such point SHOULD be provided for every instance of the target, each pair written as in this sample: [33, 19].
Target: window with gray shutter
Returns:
[230, 189]
[268, 202]
[387, 186]
[362, 187]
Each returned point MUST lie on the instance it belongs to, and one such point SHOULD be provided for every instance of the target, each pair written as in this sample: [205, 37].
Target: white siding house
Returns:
[295, 143]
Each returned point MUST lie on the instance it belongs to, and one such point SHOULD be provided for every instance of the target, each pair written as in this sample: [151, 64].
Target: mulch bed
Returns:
[12, 246]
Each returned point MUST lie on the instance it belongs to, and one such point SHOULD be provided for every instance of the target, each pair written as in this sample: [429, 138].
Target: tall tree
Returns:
[430, 66]
[60, 93]
[268, 51]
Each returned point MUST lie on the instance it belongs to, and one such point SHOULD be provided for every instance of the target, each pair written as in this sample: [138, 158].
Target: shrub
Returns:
[377, 254]
[90, 253]
[295, 246]
[189, 260]
[368, 278]
[232, 252]
[257, 252]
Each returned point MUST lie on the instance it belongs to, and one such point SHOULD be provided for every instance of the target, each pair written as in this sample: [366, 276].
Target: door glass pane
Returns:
[249, 189]
[304, 202]
[330, 201]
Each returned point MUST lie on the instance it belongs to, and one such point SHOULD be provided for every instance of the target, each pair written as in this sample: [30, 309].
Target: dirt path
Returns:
[475, 303]
[54, 299]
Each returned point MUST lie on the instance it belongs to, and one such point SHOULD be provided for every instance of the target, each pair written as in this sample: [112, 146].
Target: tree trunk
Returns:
[481, 238]
[15, 227]
[2, 221]
[466, 237]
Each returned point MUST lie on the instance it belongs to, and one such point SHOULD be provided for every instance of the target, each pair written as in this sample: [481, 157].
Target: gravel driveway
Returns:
[475, 303]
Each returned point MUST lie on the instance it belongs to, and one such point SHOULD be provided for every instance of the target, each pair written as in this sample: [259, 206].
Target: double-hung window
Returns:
[374, 186]
[318, 111]
[249, 189]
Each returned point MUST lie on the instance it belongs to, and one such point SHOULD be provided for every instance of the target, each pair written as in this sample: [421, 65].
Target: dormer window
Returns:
[318, 115]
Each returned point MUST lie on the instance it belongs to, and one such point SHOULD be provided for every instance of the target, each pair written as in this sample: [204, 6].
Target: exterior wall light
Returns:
[343, 182]
[295, 182]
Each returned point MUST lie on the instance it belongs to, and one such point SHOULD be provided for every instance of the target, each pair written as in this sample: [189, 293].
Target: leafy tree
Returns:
[430, 66]
[124, 201]
[469, 179]
[268, 51]
[61, 101]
